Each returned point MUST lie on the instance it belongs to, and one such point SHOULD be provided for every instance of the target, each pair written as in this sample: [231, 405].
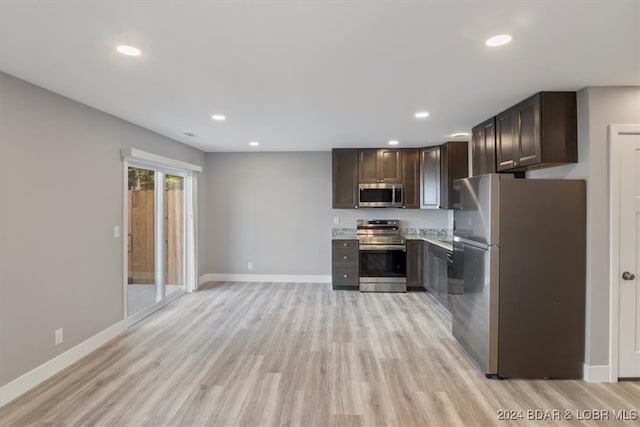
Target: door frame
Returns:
[615, 134]
[138, 158]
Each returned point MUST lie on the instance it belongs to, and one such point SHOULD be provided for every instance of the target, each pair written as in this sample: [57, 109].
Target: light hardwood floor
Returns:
[261, 354]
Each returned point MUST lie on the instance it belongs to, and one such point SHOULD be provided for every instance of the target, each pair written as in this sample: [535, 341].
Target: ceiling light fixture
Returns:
[459, 135]
[218, 117]
[393, 142]
[421, 115]
[129, 50]
[254, 143]
[498, 40]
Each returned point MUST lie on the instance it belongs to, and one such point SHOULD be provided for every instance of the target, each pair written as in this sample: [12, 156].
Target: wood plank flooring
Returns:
[262, 354]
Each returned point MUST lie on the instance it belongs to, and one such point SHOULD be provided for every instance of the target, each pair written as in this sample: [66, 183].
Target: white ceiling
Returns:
[311, 75]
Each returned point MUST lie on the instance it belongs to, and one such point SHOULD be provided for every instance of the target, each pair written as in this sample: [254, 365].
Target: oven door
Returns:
[383, 262]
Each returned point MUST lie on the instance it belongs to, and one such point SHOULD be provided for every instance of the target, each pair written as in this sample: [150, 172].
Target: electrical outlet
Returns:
[250, 266]
[336, 220]
[116, 231]
[57, 337]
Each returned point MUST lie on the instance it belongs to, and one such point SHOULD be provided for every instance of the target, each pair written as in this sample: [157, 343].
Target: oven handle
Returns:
[383, 248]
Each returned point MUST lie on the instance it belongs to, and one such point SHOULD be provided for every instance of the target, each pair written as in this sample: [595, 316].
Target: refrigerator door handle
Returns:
[473, 243]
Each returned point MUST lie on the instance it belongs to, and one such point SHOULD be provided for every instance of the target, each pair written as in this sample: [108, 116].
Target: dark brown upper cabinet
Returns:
[380, 165]
[345, 178]
[540, 131]
[411, 177]
[454, 164]
[440, 166]
[430, 178]
[483, 148]
[372, 165]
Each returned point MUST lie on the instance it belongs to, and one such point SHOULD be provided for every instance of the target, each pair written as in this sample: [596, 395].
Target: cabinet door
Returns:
[430, 177]
[344, 264]
[345, 178]
[414, 263]
[489, 146]
[483, 148]
[433, 270]
[443, 294]
[506, 139]
[454, 164]
[478, 151]
[368, 166]
[411, 177]
[444, 176]
[529, 148]
[425, 266]
[390, 165]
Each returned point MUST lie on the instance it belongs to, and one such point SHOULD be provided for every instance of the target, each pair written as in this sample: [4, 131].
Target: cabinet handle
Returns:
[345, 257]
[345, 245]
[345, 276]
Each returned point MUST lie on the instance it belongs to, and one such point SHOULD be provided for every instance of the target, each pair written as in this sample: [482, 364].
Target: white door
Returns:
[628, 144]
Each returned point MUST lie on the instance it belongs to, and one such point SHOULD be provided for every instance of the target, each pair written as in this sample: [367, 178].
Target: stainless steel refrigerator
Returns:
[519, 264]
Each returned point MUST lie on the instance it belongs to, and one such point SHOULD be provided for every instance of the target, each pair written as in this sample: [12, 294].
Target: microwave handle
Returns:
[393, 197]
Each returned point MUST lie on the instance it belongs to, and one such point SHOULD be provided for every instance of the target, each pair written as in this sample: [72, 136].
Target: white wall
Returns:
[598, 107]
[61, 193]
[274, 210]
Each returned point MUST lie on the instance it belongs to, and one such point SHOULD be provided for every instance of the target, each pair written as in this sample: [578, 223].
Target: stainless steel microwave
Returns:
[380, 195]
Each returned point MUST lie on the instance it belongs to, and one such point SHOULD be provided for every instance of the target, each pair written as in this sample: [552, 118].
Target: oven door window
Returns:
[383, 263]
[376, 195]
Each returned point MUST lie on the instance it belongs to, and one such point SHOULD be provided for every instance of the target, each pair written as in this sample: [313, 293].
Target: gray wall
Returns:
[274, 209]
[61, 191]
[598, 107]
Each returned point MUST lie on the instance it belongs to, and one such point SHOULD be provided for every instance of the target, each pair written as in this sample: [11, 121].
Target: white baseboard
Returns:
[290, 278]
[48, 369]
[596, 373]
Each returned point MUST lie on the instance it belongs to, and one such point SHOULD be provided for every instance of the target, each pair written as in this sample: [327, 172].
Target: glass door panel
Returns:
[142, 287]
[174, 233]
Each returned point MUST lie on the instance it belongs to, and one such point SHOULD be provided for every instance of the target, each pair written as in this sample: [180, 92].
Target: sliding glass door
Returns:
[174, 233]
[143, 287]
[156, 238]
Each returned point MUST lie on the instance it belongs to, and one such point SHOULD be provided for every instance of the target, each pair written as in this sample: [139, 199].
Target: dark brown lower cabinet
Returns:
[415, 255]
[345, 264]
[435, 273]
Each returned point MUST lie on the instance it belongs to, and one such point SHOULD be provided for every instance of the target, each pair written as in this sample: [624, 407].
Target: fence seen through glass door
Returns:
[142, 289]
[174, 227]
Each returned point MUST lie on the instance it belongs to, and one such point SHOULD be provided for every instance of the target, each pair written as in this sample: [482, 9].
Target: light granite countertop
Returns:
[439, 237]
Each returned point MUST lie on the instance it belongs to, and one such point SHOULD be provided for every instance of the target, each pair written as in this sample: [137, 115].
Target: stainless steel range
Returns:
[383, 256]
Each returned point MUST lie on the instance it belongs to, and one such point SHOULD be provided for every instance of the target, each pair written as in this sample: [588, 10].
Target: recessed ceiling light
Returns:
[459, 135]
[219, 117]
[128, 50]
[254, 143]
[421, 115]
[498, 40]
[393, 142]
